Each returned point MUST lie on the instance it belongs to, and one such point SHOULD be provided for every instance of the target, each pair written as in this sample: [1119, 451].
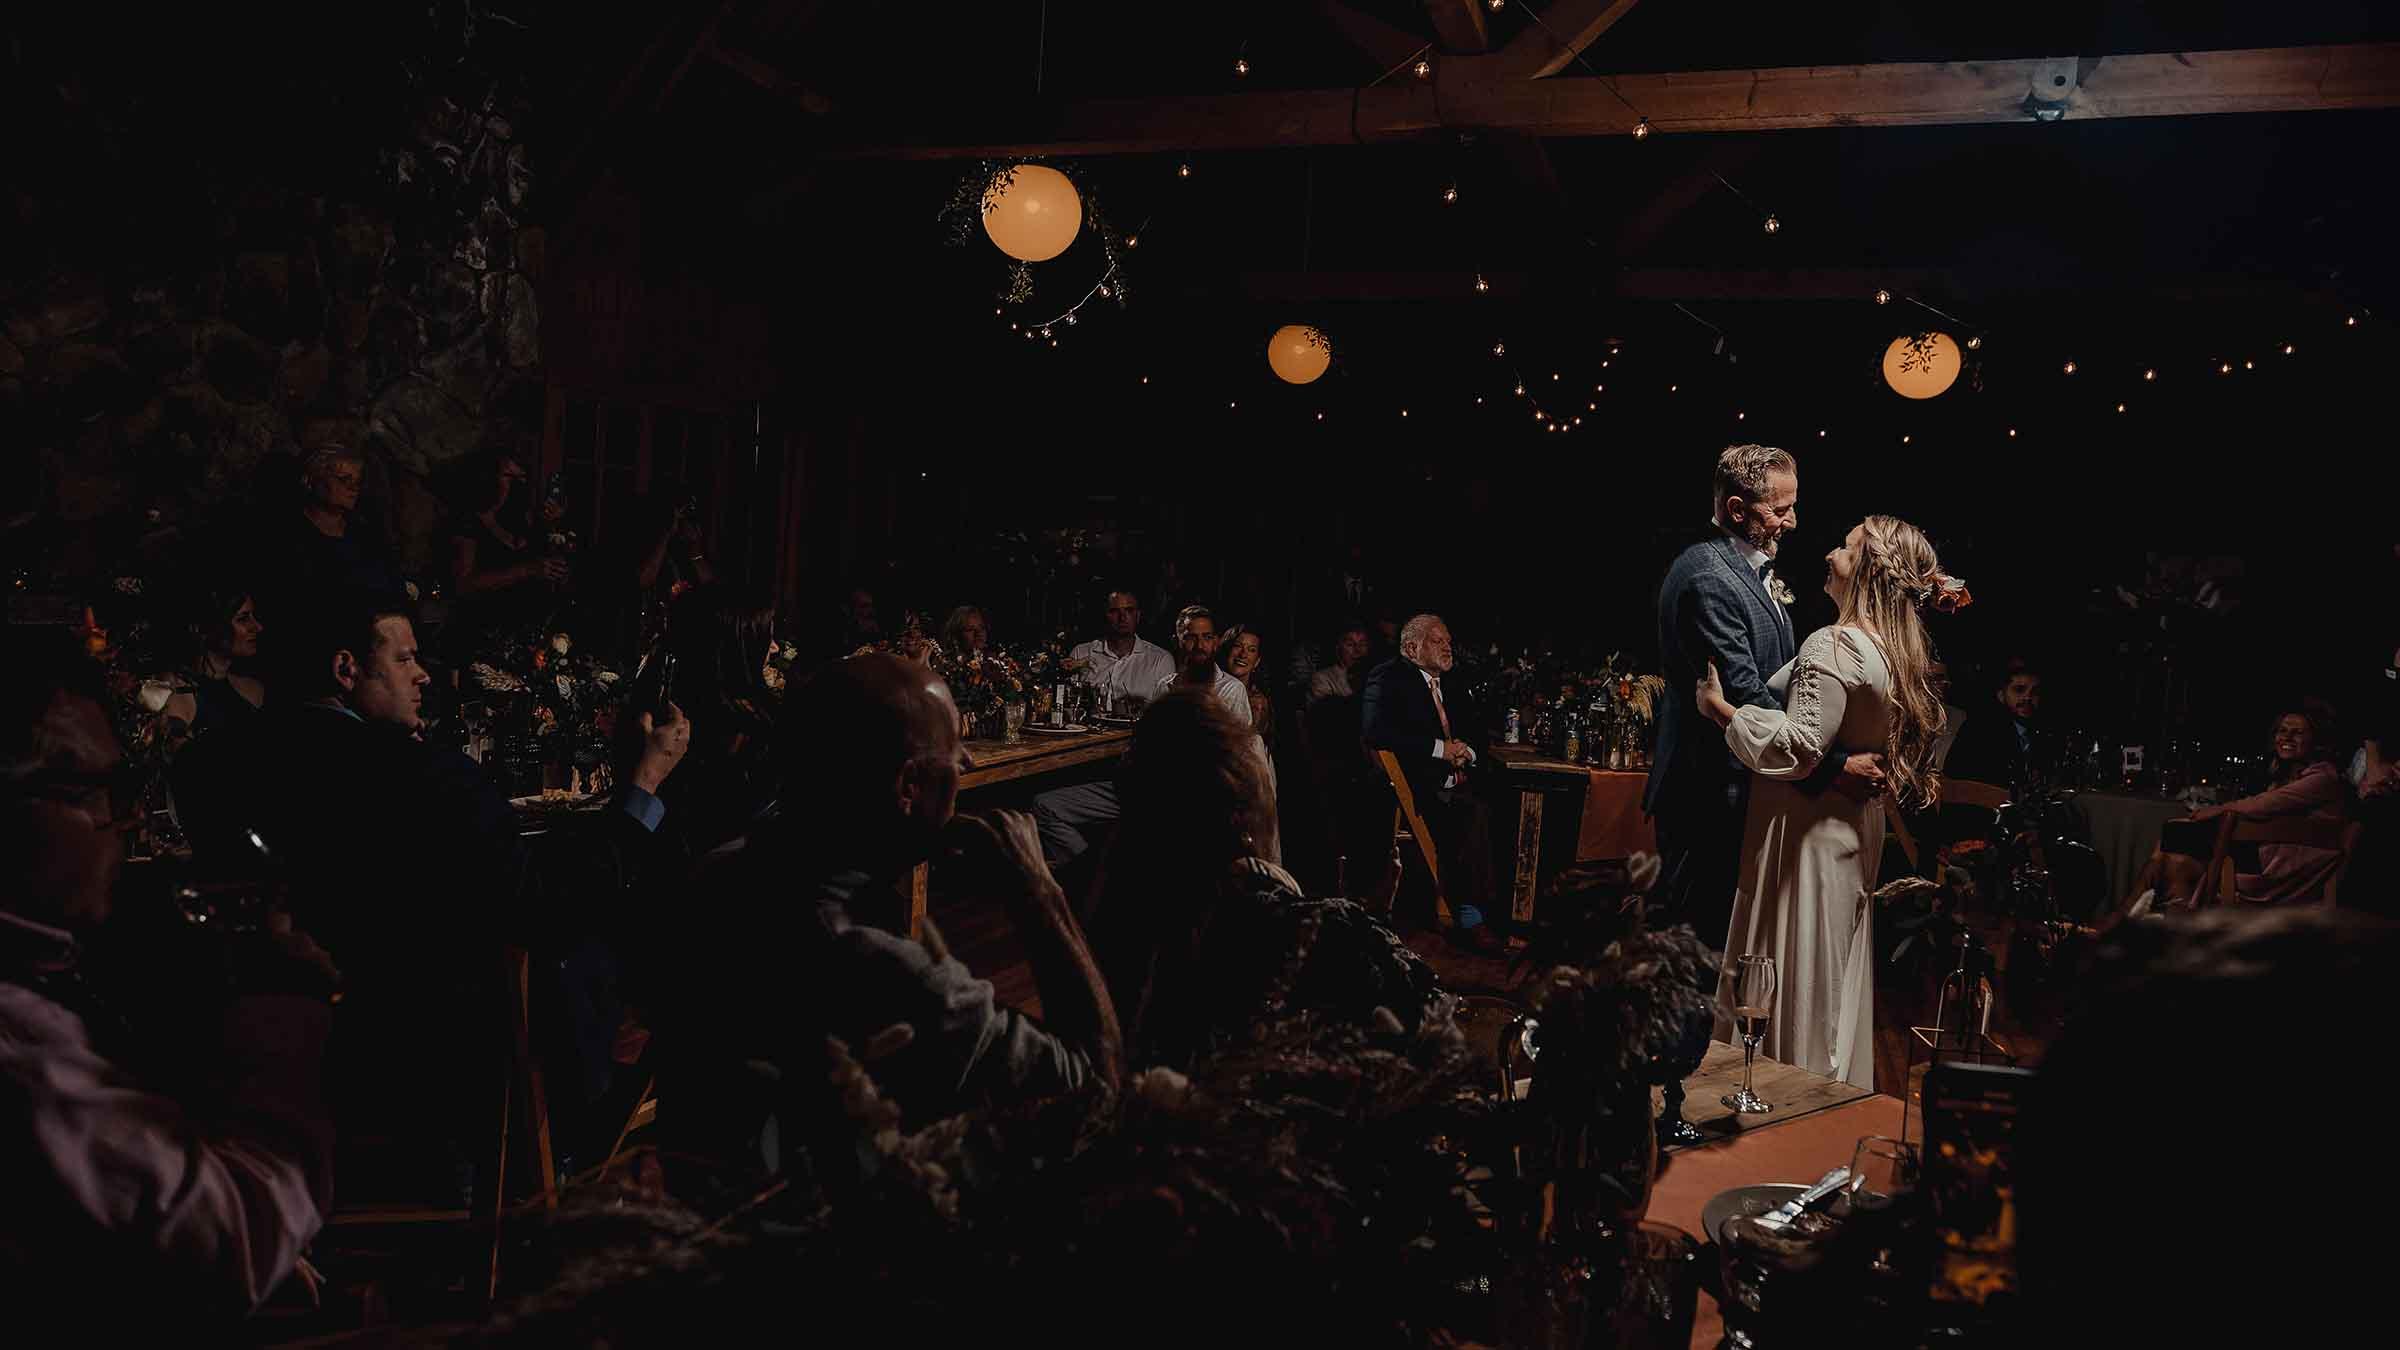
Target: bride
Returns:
[1809, 862]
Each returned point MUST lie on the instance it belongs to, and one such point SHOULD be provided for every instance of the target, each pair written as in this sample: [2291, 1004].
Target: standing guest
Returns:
[1340, 679]
[1241, 654]
[225, 628]
[330, 548]
[966, 633]
[499, 577]
[2005, 746]
[1127, 665]
[721, 635]
[628, 603]
[1722, 605]
[760, 959]
[199, 1205]
[1435, 735]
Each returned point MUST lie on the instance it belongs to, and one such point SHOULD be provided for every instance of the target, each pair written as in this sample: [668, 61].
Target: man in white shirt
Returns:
[1125, 664]
[1068, 816]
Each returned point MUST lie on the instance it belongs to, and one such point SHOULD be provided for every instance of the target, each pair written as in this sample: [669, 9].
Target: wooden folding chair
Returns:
[2325, 832]
[1406, 822]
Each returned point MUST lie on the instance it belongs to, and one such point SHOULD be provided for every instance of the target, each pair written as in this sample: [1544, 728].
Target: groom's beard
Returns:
[1757, 535]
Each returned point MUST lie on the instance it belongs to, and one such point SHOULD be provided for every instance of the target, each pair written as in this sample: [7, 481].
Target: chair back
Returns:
[1407, 798]
[2331, 833]
[1968, 792]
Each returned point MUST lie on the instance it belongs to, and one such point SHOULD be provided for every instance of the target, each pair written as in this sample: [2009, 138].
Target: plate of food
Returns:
[1045, 729]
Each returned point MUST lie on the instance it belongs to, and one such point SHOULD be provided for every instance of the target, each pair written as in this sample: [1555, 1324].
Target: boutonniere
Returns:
[1776, 588]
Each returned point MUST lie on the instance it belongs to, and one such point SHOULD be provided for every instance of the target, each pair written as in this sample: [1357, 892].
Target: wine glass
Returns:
[1753, 1005]
[1881, 1169]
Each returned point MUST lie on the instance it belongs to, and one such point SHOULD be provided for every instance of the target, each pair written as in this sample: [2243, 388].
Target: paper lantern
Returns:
[1034, 215]
[1298, 353]
[1920, 365]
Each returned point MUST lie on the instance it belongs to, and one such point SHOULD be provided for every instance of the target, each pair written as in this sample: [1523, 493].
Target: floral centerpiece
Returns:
[563, 698]
[984, 684]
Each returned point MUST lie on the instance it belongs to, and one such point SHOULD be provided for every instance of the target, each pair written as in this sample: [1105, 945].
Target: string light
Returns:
[2149, 374]
[2225, 367]
[1772, 224]
[2287, 349]
[1974, 343]
[1320, 417]
[2120, 407]
[1883, 297]
[2012, 433]
[1520, 389]
[1906, 439]
[1070, 321]
[1450, 195]
[1241, 67]
[1554, 374]
[1480, 284]
[1404, 412]
[2249, 365]
[1591, 407]
[1496, 4]
[1739, 416]
[1673, 387]
[1183, 170]
[1820, 434]
[2069, 368]
[1423, 70]
[1133, 241]
[1641, 128]
[1499, 349]
[1145, 379]
[1105, 292]
[2351, 322]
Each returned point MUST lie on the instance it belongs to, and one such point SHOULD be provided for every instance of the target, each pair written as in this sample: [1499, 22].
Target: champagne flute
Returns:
[1753, 1006]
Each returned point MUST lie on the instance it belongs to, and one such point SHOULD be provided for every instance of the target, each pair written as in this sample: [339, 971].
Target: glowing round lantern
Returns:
[1920, 365]
[1034, 215]
[1299, 353]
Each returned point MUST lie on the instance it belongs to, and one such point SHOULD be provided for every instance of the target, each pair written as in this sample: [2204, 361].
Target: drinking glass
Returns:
[1753, 1005]
[1881, 1170]
[1012, 722]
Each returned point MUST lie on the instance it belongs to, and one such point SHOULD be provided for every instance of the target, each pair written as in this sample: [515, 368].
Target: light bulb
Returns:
[2287, 349]
[1404, 412]
[2249, 365]
[1520, 391]
[1554, 374]
[1054, 342]
[1240, 67]
[1045, 330]
[1673, 387]
[1820, 434]
[2351, 322]
[1604, 363]
[1974, 343]
[2012, 433]
[997, 313]
[1904, 440]
[2225, 367]
[1105, 292]
[1424, 69]
[2149, 374]
[1479, 400]
[1772, 225]
[1133, 241]
[1145, 379]
[1450, 195]
[1481, 285]
[2120, 407]
[1740, 416]
[1320, 417]
[1641, 128]
[1496, 4]
[1499, 349]
[1883, 297]
[1591, 407]
[1070, 321]
[2068, 368]
[1183, 170]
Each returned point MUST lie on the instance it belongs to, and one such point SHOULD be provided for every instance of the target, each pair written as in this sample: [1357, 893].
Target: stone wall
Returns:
[372, 283]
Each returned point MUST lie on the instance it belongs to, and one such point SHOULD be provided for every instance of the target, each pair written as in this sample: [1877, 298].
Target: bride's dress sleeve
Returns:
[1789, 742]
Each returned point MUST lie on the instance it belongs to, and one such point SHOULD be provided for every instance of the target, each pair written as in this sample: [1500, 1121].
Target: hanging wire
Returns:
[1041, 47]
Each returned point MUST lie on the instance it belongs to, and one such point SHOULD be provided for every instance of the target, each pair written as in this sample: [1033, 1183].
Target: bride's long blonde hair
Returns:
[1897, 575]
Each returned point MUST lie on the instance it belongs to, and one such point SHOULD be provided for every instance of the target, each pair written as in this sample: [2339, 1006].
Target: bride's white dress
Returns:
[1809, 863]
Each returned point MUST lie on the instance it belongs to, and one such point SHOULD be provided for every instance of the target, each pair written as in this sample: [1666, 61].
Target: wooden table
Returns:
[1612, 824]
[995, 762]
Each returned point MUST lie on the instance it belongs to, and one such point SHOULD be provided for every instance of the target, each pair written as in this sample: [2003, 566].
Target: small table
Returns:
[1612, 823]
[2125, 833]
[997, 762]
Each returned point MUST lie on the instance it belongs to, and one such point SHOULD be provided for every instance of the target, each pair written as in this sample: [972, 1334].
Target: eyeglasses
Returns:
[125, 785]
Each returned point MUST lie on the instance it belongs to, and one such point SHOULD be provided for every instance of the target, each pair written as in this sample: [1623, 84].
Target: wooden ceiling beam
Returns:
[1558, 35]
[1459, 24]
[2155, 84]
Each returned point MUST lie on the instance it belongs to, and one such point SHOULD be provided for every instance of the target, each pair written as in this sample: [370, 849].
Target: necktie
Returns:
[1438, 709]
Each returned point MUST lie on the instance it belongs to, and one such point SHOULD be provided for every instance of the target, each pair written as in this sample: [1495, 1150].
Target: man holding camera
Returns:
[202, 1201]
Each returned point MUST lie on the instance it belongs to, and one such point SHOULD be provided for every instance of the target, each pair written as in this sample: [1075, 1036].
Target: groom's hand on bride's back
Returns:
[1861, 778]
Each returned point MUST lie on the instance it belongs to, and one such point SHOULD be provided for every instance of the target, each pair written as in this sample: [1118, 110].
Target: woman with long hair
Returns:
[1242, 655]
[1198, 933]
[1863, 685]
[220, 687]
[2303, 782]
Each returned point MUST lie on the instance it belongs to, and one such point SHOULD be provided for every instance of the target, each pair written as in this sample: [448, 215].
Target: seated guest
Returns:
[224, 691]
[2374, 876]
[2304, 782]
[196, 1206]
[330, 546]
[1200, 930]
[408, 860]
[1124, 663]
[858, 627]
[2003, 745]
[1242, 654]
[720, 635]
[1340, 680]
[2222, 1256]
[761, 958]
[965, 633]
[1434, 734]
[1069, 816]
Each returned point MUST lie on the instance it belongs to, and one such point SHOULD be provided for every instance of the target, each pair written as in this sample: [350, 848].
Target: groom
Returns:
[1723, 603]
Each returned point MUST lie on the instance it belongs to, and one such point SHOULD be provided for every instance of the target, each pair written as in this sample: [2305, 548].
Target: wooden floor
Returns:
[979, 934]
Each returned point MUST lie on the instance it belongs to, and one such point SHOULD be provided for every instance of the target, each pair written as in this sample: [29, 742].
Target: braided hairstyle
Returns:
[1897, 576]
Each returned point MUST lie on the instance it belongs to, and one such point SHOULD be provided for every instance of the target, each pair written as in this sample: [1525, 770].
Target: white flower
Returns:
[607, 678]
[566, 688]
[1776, 588]
[129, 585]
[561, 643]
[154, 695]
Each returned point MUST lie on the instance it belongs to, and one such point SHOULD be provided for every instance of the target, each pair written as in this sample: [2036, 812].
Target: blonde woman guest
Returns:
[1809, 863]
